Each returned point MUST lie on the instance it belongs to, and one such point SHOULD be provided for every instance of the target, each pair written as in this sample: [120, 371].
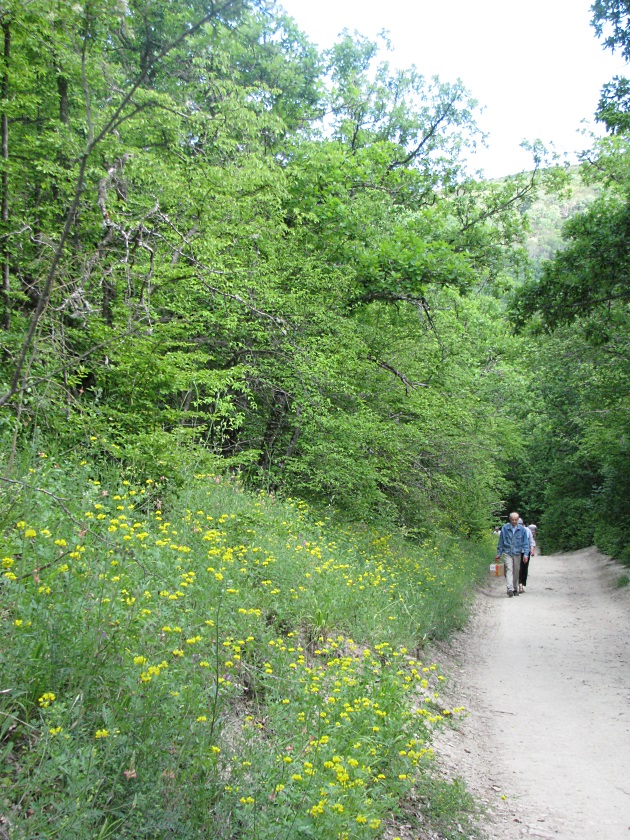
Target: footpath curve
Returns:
[546, 680]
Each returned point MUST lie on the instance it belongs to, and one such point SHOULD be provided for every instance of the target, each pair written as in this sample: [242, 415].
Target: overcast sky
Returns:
[535, 65]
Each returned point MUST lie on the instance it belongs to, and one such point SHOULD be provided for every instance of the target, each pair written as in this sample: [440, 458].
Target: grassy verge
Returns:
[213, 663]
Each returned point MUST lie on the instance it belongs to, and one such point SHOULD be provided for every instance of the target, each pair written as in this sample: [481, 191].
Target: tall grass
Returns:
[209, 663]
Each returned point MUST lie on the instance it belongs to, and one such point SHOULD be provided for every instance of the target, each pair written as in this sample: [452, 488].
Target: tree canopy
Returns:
[216, 240]
[578, 319]
[220, 246]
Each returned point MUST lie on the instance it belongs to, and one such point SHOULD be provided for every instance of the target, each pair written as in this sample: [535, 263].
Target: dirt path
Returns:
[546, 678]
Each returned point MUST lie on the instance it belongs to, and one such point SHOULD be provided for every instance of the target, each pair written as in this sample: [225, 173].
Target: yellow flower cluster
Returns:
[241, 611]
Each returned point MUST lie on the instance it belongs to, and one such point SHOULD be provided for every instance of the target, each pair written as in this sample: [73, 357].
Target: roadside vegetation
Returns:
[211, 662]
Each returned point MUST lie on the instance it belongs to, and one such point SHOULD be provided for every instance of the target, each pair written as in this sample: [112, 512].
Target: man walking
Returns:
[513, 540]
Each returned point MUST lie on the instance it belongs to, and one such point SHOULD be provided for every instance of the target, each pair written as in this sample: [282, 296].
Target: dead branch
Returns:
[93, 142]
[406, 382]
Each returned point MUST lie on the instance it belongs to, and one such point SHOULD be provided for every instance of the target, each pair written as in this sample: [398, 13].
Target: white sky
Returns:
[535, 65]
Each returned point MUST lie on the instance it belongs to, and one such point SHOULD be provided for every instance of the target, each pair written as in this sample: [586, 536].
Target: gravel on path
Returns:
[545, 678]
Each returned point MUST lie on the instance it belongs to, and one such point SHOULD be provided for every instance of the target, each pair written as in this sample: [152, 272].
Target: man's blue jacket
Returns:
[513, 541]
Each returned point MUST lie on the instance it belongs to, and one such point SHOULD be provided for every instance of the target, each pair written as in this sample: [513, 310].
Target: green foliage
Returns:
[578, 440]
[596, 246]
[575, 467]
[221, 243]
[611, 20]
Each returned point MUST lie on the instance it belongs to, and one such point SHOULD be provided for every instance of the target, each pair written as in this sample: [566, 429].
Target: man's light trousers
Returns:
[512, 564]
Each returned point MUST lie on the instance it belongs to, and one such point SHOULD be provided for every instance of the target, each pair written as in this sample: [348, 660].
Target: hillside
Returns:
[549, 211]
[215, 662]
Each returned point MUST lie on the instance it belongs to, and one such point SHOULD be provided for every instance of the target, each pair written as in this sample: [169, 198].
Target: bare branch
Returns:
[406, 382]
[433, 128]
[86, 89]
[70, 216]
[520, 193]
[58, 499]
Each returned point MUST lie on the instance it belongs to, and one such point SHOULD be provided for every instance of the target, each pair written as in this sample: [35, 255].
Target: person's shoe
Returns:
[510, 593]
[516, 592]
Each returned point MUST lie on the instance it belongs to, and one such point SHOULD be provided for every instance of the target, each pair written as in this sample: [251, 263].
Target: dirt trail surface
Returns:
[546, 680]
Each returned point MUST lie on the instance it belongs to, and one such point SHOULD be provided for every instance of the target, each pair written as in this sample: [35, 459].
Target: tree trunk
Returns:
[295, 436]
[279, 407]
[4, 211]
[62, 89]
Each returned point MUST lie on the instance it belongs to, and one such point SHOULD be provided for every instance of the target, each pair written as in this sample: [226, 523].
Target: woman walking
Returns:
[524, 567]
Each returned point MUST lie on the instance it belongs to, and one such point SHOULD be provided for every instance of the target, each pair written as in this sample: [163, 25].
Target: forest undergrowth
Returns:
[209, 662]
